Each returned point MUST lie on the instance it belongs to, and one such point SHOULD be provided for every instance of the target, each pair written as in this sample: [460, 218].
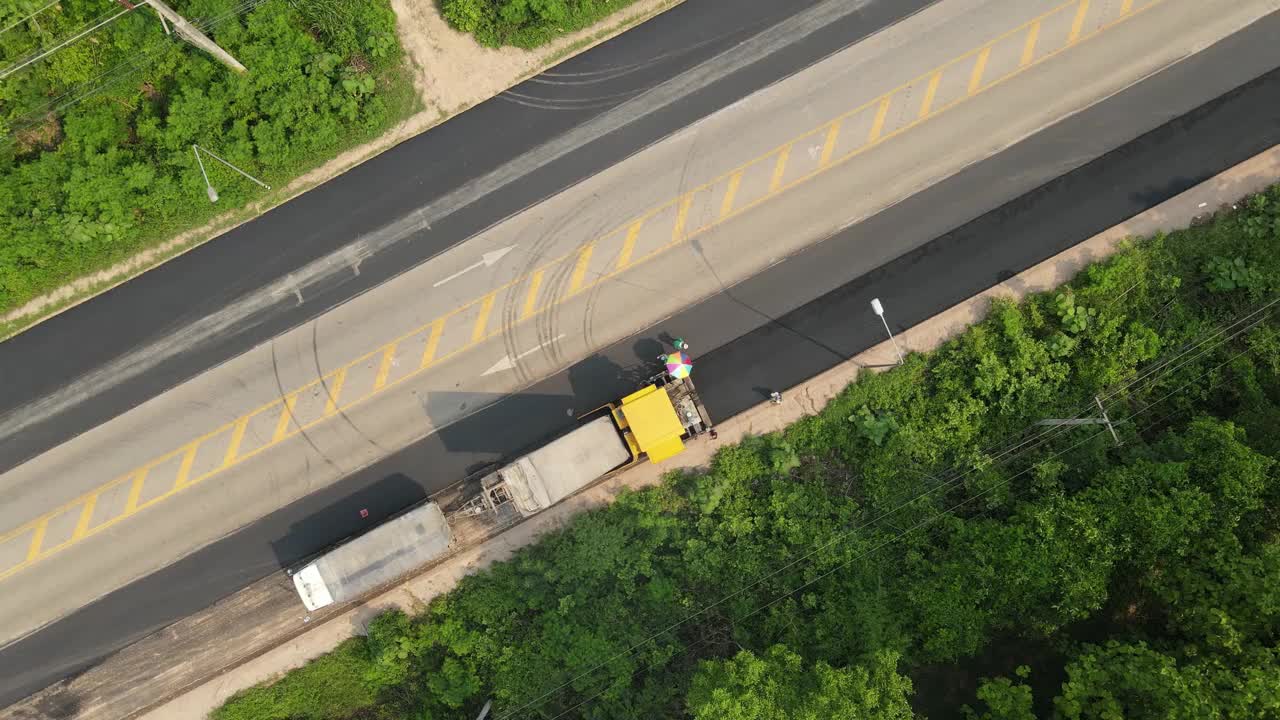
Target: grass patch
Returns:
[331, 687]
[121, 179]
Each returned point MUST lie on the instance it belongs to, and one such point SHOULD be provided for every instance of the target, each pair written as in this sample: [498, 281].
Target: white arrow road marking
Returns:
[509, 363]
[486, 260]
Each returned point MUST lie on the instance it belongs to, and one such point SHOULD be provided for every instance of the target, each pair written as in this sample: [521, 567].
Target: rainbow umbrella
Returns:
[679, 365]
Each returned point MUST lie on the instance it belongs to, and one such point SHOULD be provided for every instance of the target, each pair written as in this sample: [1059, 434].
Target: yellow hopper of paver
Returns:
[656, 419]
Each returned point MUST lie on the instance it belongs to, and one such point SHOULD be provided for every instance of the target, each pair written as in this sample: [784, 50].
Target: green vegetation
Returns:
[96, 162]
[525, 23]
[330, 688]
[922, 540]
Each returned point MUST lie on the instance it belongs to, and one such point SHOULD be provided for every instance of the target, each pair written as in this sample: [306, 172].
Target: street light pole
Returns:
[213, 194]
[878, 309]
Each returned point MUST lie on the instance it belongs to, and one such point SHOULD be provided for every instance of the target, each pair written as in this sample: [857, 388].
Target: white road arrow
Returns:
[509, 363]
[486, 260]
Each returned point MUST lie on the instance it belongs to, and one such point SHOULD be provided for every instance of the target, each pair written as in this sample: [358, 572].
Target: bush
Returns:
[84, 184]
[525, 23]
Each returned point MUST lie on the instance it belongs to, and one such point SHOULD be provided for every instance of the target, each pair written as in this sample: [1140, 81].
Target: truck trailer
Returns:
[651, 423]
[383, 554]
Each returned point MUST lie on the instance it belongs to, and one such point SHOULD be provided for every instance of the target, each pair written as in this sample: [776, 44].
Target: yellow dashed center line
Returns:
[237, 436]
[1078, 23]
[979, 66]
[433, 342]
[1029, 48]
[779, 168]
[929, 93]
[384, 368]
[531, 299]
[86, 517]
[580, 269]
[732, 180]
[286, 415]
[334, 391]
[629, 245]
[878, 124]
[482, 322]
[730, 193]
[829, 146]
[682, 218]
[135, 490]
[37, 539]
[188, 459]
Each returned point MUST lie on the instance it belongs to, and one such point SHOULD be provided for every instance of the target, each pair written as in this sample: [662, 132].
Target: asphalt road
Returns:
[706, 208]
[754, 337]
[63, 353]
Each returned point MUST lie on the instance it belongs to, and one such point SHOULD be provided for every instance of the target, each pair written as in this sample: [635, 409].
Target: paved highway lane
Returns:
[730, 368]
[110, 354]
[673, 224]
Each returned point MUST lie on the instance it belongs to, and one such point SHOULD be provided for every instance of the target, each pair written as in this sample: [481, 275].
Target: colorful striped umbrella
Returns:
[679, 365]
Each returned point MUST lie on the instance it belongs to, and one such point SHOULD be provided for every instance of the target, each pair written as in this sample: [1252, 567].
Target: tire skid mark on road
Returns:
[540, 289]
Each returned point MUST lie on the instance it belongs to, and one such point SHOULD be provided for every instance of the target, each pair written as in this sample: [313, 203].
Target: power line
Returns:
[1203, 339]
[41, 55]
[16, 23]
[885, 543]
[83, 25]
[192, 32]
[904, 533]
[1199, 377]
[703, 610]
[136, 64]
[1016, 450]
[1013, 451]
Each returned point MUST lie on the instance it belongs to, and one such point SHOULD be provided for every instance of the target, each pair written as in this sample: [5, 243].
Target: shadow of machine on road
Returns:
[503, 425]
[347, 515]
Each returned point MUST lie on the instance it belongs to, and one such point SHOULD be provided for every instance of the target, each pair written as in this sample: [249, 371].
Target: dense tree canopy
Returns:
[778, 686]
[96, 159]
[921, 519]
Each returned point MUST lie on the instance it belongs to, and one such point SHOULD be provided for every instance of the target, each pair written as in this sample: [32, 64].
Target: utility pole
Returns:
[1104, 420]
[187, 31]
[1107, 420]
